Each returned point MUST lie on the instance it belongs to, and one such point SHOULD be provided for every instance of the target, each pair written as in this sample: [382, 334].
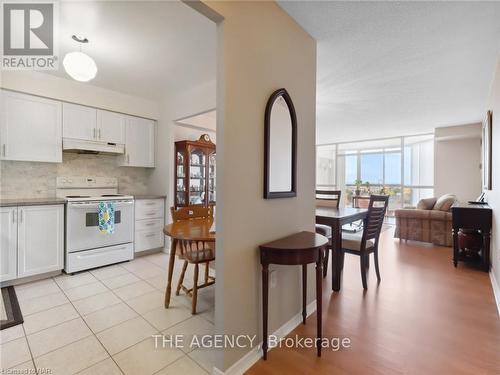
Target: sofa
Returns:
[429, 222]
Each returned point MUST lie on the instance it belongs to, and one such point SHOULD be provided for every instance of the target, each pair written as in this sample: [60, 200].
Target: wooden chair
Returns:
[194, 252]
[366, 243]
[191, 212]
[327, 198]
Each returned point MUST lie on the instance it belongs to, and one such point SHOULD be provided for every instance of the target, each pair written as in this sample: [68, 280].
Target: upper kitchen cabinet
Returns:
[91, 124]
[30, 128]
[79, 122]
[111, 126]
[139, 142]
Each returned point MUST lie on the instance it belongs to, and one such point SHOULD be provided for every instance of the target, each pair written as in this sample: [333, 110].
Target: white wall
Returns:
[260, 49]
[178, 105]
[457, 161]
[494, 195]
[54, 87]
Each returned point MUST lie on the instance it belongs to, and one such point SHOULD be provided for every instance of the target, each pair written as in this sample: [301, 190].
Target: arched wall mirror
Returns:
[280, 145]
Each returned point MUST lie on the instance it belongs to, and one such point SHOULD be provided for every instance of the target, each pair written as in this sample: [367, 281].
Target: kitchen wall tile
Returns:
[38, 180]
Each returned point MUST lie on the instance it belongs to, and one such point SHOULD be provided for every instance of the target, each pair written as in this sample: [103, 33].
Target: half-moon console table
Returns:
[298, 249]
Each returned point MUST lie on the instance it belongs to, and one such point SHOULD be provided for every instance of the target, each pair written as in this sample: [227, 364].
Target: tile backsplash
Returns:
[19, 179]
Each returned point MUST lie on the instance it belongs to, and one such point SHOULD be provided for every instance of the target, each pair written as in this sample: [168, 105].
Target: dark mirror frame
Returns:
[267, 152]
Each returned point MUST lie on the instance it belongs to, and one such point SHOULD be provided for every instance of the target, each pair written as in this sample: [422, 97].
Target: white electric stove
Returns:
[86, 247]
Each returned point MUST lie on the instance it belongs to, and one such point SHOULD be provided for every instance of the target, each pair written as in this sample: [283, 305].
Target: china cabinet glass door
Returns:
[211, 178]
[197, 177]
[180, 191]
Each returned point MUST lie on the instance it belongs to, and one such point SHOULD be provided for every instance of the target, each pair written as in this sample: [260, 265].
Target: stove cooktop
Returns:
[103, 197]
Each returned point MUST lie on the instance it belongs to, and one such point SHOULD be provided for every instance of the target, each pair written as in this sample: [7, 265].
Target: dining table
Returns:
[336, 218]
[201, 229]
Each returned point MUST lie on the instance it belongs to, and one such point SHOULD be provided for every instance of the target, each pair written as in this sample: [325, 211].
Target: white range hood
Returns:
[70, 144]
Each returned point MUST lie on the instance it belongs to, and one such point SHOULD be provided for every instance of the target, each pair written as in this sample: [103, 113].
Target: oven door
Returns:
[82, 225]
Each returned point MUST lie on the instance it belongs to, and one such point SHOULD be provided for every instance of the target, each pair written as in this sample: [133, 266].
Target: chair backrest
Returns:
[192, 246]
[328, 198]
[191, 212]
[375, 218]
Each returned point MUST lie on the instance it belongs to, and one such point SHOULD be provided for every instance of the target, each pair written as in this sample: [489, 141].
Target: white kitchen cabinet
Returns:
[40, 244]
[149, 222]
[79, 122]
[111, 126]
[139, 142]
[30, 128]
[8, 243]
[91, 124]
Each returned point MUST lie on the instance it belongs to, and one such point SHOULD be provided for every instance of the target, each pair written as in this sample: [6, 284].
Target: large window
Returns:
[419, 168]
[402, 167]
[325, 166]
[372, 168]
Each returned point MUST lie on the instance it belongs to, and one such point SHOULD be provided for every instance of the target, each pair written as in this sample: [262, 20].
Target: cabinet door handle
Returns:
[13, 216]
[93, 133]
[20, 215]
[99, 133]
[3, 149]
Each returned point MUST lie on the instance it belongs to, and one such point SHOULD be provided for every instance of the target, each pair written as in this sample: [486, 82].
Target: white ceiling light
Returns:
[80, 66]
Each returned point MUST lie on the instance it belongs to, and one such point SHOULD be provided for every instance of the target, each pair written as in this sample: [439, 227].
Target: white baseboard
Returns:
[249, 359]
[496, 290]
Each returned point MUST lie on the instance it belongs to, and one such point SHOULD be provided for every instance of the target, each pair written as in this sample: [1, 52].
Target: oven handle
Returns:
[95, 205]
[101, 252]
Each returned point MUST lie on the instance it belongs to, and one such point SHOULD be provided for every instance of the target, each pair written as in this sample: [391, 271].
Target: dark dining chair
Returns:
[365, 243]
[327, 198]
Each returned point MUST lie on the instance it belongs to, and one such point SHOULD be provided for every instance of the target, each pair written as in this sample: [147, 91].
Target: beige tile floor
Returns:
[102, 321]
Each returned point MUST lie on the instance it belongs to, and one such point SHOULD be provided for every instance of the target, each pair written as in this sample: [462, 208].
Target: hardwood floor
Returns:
[425, 317]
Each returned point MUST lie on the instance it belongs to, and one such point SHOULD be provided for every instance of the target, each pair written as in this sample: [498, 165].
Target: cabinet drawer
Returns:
[148, 239]
[84, 260]
[149, 225]
[149, 209]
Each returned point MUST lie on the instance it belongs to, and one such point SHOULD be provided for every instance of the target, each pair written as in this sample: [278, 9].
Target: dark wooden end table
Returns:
[298, 249]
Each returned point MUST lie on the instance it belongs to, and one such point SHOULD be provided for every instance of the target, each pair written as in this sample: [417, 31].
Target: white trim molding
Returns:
[496, 290]
[249, 359]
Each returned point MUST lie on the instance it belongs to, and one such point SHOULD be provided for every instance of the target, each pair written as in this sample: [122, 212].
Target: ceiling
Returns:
[205, 120]
[396, 68]
[141, 48]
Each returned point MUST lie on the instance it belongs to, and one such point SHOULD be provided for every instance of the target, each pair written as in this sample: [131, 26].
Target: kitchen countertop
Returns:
[148, 196]
[30, 202]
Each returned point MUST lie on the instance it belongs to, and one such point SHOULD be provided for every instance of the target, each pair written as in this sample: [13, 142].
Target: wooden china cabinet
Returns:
[195, 172]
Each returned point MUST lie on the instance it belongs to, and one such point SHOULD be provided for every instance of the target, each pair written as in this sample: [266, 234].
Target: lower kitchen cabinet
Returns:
[8, 243]
[149, 222]
[32, 240]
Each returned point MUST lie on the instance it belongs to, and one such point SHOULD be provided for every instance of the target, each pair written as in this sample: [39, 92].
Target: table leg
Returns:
[336, 256]
[265, 291]
[319, 296]
[455, 246]
[171, 262]
[304, 292]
